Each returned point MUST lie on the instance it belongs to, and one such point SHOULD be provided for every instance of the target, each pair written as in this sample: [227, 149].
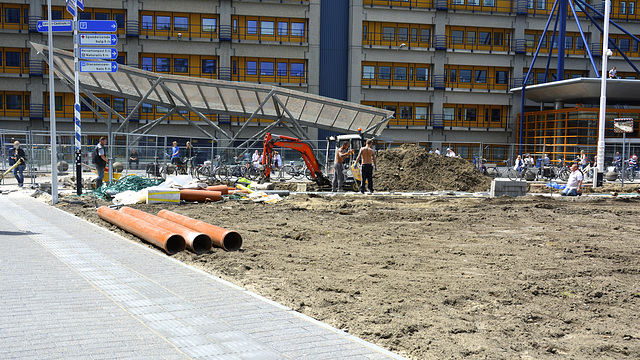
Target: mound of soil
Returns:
[410, 167]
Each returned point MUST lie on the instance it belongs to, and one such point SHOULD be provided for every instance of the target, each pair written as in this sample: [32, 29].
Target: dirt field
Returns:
[437, 277]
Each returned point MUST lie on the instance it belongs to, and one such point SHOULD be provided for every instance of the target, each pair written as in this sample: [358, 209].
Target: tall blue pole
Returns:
[562, 35]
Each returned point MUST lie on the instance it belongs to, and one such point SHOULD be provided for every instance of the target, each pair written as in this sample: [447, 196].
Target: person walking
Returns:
[574, 183]
[338, 170]
[190, 154]
[368, 156]
[175, 153]
[17, 154]
[100, 160]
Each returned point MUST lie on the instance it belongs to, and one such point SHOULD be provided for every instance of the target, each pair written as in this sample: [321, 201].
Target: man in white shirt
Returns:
[437, 151]
[574, 183]
[450, 153]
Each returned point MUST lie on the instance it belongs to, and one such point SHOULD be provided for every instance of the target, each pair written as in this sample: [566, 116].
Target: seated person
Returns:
[133, 158]
[574, 183]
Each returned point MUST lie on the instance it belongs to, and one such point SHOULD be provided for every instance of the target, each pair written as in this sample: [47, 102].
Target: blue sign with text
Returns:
[56, 25]
[97, 25]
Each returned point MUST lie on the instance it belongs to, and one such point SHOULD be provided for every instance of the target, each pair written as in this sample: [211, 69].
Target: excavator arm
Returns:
[272, 140]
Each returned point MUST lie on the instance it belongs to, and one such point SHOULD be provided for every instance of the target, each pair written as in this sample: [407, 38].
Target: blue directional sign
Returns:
[97, 39]
[98, 53]
[97, 25]
[80, 4]
[98, 66]
[56, 25]
[71, 7]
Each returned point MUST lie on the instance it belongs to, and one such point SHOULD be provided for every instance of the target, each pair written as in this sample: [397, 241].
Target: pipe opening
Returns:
[202, 244]
[232, 241]
[175, 244]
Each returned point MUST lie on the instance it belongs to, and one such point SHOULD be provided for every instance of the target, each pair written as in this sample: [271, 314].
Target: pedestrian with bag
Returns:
[18, 155]
[100, 160]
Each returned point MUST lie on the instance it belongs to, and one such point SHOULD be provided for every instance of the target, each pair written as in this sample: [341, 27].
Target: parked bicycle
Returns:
[208, 172]
[496, 170]
[299, 172]
[629, 172]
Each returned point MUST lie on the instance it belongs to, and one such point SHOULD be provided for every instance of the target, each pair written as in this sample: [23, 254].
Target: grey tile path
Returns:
[72, 290]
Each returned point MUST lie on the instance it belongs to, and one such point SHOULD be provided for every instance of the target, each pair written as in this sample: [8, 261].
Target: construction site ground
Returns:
[439, 276]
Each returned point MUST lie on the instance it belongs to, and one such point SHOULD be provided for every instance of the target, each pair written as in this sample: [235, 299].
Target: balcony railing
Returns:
[227, 73]
[394, 41]
[439, 82]
[480, 121]
[20, 67]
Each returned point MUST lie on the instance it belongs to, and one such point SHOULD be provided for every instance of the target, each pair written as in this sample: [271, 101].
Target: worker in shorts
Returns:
[368, 156]
[338, 170]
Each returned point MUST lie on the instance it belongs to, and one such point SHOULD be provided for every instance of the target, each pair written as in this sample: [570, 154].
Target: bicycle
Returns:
[494, 170]
[206, 172]
[629, 172]
[519, 175]
[291, 171]
[156, 169]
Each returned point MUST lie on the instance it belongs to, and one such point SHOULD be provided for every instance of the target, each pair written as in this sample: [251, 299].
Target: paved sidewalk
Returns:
[72, 290]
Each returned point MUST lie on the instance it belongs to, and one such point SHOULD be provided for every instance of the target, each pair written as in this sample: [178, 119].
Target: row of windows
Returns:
[573, 43]
[269, 28]
[14, 60]
[472, 38]
[380, 33]
[541, 76]
[189, 65]
[268, 70]
[454, 115]
[619, 9]
[395, 74]
[476, 77]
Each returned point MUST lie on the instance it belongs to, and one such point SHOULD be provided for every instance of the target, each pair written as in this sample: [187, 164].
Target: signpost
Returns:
[56, 25]
[98, 53]
[71, 8]
[624, 126]
[97, 39]
[98, 66]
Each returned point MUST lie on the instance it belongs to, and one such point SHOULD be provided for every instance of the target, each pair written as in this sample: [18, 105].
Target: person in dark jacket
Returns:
[17, 154]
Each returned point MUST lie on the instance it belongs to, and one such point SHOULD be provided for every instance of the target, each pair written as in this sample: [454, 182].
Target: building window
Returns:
[147, 108]
[481, 76]
[568, 42]
[495, 115]
[541, 4]
[529, 4]
[102, 16]
[297, 69]
[282, 69]
[235, 26]
[632, 8]
[403, 34]
[489, 3]
[119, 18]
[83, 106]
[252, 68]
[147, 22]
[209, 25]
[84, 15]
[502, 77]
[252, 27]
[474, 2]
[470, 114]
[12, 58]
[421, 112]
[297, 29]
[282, 28]
[449, 114]
[266, 28]
[453, 77]
[623, 44]
[163, 64]
[400, 73]
[498, 38]
[458, 2]
[457, 37]
[181, 65]
[388, 33]
[406, 112]
[147, 63]
[465, 76]
[484, 38]
[471, 37]
[12, 15]
[56, 14]
[14, 102]
[422, 74]
[579, 43]
[118, 104]
[384, 73]
[209, 66]
[180, 23]
[425, 35]
[623, 7]
[266, 68]
[163, 23]
[162, 109]
[368, 72]
[414, 35]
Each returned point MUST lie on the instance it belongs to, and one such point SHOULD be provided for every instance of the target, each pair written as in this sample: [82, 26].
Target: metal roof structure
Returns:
[209, 96]
[584, 91]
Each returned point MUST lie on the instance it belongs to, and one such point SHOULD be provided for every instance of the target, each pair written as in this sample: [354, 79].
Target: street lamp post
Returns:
[603, 94]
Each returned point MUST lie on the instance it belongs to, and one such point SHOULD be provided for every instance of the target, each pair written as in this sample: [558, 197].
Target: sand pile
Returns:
[410, 167]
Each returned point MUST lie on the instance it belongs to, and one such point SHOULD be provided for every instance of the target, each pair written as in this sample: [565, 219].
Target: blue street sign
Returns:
[98, 66]
[80, 4]
[71, 7]
[56, 25]
[97, 25]
[98, 53]
[97, 39]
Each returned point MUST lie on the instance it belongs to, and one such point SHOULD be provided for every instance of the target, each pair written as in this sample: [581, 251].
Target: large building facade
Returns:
[445, 67]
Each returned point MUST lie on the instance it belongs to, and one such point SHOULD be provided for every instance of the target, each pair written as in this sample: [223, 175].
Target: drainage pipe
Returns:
[200, 195]
[227, 239]
[224, 189]
[197, 242]
[166, 240]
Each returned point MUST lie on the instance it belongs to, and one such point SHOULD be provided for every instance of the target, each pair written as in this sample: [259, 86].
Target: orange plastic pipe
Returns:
[166, 240]
[200, 195]
[227, 239]
[224, 189]
[197, 242]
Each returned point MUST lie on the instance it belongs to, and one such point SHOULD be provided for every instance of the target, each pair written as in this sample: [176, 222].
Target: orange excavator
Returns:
[271, 140]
